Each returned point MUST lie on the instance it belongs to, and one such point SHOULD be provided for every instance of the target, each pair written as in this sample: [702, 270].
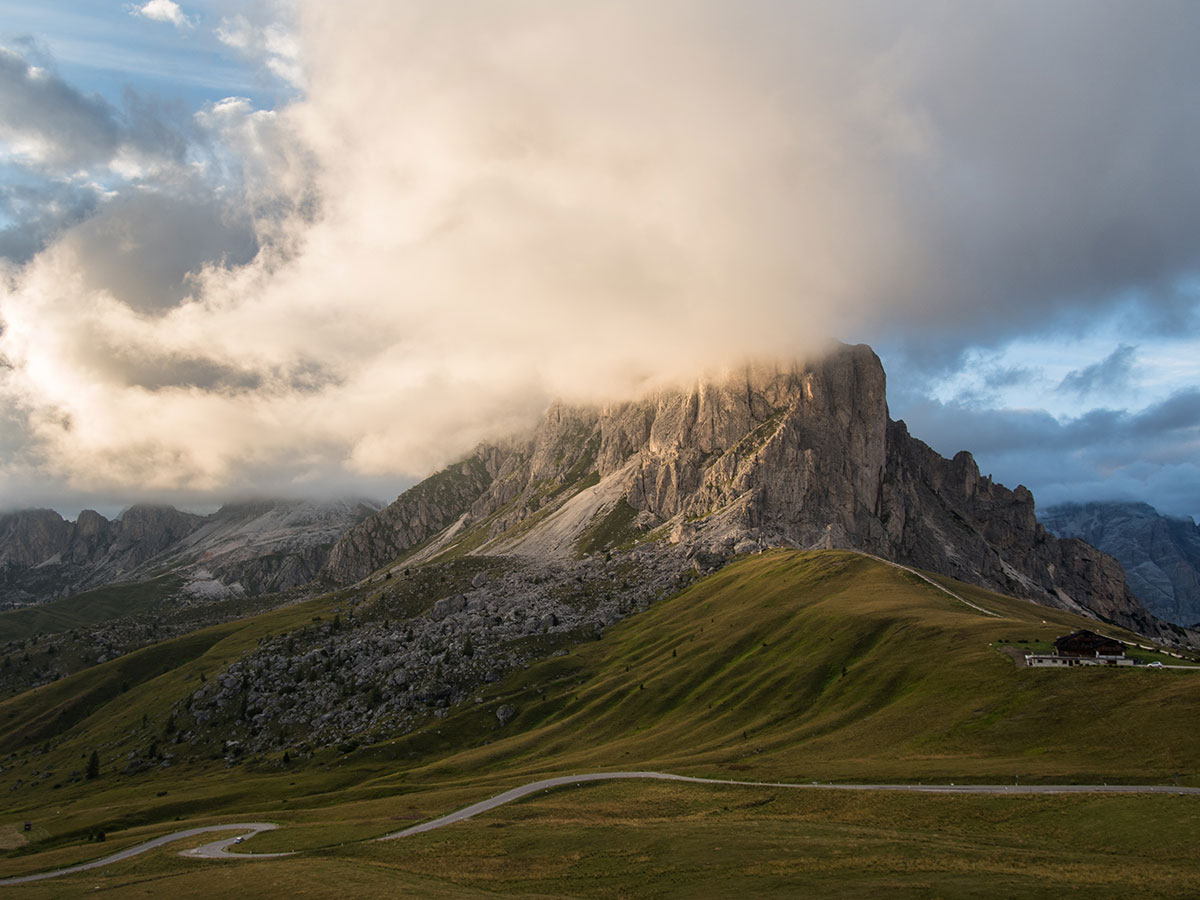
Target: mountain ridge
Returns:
[796, 454]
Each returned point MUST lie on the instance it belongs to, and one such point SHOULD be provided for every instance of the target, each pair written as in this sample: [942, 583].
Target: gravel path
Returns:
[926, 578]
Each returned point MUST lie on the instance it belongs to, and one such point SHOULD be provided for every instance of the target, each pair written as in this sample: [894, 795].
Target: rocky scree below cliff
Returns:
[405, 649]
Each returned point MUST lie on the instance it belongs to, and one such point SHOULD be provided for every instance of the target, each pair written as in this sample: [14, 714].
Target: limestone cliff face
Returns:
[789, 448]
[417, 514]
[264, 545]
[785, 455]
[30, 536]
[44, 556]
[143, 532]
[781, 451]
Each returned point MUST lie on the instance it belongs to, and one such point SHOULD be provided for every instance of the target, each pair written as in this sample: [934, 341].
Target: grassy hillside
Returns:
[832, 666]
[784, 666]
[103, 604]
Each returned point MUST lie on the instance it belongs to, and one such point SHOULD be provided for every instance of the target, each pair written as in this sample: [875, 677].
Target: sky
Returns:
[292, 247]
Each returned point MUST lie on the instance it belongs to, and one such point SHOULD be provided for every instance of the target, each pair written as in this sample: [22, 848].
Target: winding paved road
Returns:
[217, 849]
[548, 783]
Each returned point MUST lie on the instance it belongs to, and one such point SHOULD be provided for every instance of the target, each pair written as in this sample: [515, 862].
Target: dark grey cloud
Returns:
[1007, 376]
[70, 153]
[1060, 183]
[142, 246]
[1178, 414]
[167, 371]
[1114, 372]
[58, 128]
[156, 373]
[64, 127]
[158, 127]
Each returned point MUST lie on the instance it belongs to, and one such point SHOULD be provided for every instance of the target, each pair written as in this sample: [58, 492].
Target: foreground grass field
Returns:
[786, 666]
[655, 840]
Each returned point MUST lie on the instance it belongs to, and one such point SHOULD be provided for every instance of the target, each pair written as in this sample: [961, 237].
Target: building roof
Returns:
[1089, 643]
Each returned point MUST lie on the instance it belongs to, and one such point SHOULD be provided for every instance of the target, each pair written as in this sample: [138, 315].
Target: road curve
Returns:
[548, 783]
[215, 850]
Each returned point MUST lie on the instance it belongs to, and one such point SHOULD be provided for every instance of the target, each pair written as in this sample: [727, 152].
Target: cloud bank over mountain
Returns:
[471, 209]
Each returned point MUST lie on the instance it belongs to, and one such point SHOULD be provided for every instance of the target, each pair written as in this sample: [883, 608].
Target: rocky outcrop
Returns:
[787, 449]
[31, 536]
[1160, 554]
[944, 516]
[772, 455]
[142, 533]
[773, 451]
[376, 668]
[419, 513]
[267, 545]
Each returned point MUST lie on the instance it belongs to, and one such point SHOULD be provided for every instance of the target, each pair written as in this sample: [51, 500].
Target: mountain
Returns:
[797, 455]
[43, 556]
[1160, 554]
[253, 547]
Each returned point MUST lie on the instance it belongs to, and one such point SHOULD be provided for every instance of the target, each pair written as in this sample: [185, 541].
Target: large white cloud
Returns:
[475, 207]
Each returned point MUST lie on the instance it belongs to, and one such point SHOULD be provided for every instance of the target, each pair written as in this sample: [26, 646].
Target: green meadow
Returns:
[785, 666]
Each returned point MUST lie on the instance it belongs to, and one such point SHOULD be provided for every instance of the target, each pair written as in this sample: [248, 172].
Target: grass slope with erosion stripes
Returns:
[784, 666]
[830, 666]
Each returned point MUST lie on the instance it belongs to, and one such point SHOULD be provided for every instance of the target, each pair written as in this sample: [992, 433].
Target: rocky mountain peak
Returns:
[143, 531]
[31, 535]
[789, 454]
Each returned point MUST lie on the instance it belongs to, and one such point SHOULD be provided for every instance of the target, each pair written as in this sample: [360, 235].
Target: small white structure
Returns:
[1053, 660]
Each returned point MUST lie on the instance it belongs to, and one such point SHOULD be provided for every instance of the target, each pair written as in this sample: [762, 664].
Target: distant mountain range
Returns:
[1160, 554]
[251, 548]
